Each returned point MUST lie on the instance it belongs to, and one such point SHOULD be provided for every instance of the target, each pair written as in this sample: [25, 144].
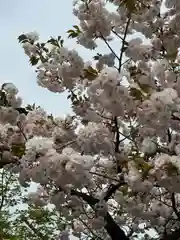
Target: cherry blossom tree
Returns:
[112, 168]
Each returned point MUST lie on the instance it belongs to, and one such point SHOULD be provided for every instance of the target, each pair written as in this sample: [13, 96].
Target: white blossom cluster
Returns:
[125, 128]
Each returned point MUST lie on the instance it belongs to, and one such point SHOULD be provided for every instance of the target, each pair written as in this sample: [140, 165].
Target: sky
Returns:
[48, 18]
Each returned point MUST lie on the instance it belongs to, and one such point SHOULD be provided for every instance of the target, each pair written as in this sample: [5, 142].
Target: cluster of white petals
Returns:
[119, 153]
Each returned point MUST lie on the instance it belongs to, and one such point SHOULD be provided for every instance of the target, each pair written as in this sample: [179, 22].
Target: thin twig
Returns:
[104, 176]
[20, 128]
[108, 45]
[126, 61]
[172, 236]
[34, 230]
[118, 36]
[113, 229]
[117, 135]
[174, 206]
[112, 189]
[123, 43]
[2, 190]
[169, 135]
[89, 229]
[66, 144]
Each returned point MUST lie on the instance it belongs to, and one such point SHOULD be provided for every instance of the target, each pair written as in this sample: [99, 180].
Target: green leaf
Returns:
[43, 44]
[46, 49]
[3, 100]
[30, 107]
[37, 213]
[171, 56]
[18, 150]
[70, 31]
[97, 57]
[73, 35]
[52, 41]
[90, 73]
[136, 93]
[13, 238]
[130, 5]
[34, 60]
[22, 38]
[22, 110]
[61, 42]
[50, 117]
[77, 28]
[145, 87]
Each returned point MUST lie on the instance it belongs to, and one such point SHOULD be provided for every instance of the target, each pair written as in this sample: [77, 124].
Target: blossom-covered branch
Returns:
[114, 231]
[114, 163]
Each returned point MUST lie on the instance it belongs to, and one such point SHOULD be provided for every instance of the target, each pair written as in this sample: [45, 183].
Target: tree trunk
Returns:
[114, 231]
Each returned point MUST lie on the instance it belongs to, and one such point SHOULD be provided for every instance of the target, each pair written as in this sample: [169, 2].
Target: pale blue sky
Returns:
[49, 18]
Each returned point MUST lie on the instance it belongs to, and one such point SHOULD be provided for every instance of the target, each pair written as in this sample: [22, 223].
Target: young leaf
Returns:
[22, 38]
[34, 60]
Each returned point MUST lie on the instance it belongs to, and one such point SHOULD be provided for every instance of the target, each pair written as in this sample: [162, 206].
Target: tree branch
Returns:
[4, 188]
[117, 135]
[114, 231]
[117, 142]
[90, 230]
[112, 189]
[104, 176]
[108, 45]
[3, 163]
[35, 231]
[175, 118]
[174, 206]
[123, 43]
[118, 36]
[172, 236]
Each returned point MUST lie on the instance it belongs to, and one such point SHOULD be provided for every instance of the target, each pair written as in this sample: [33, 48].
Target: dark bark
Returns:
[112, 189]
[114, 231]
[34, 230]
[175, 235]
[174, 206]
[3, 163]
